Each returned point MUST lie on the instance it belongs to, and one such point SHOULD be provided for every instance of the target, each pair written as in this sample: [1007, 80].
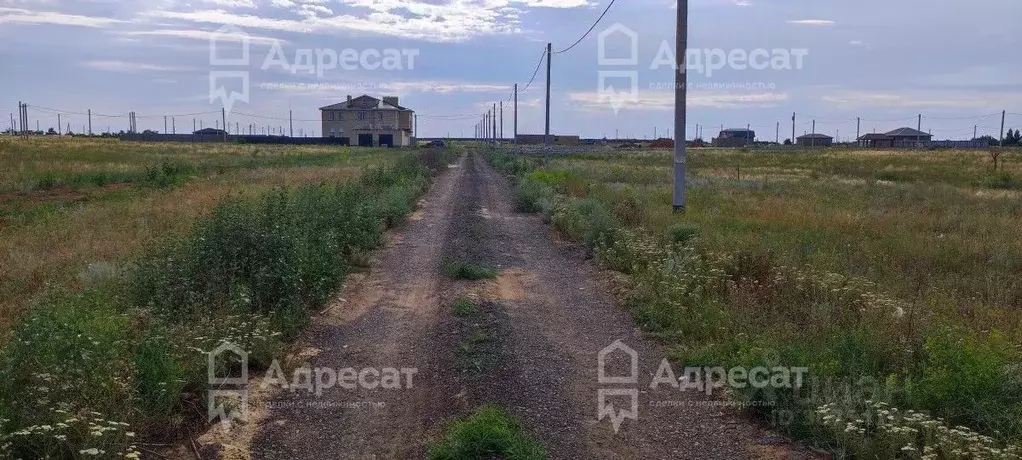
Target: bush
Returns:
[467, 271]
[586, 220]
[489, 433]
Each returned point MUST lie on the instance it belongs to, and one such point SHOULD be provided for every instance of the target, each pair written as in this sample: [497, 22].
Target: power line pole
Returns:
[1003, 113]
[164, 124]
[290, 123]
[223, 116]
[858, 125]
[494, 133]
[502, 121]
[516, 113]
[546, 135]
[975, 129]
[680, 106]
[59, 132]
[90, 122]
[777, 133]
[919, 130]
[12, 123]
[173, 125]
[792, 128]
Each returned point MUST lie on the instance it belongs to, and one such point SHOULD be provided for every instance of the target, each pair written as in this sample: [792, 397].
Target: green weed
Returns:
[488, 433]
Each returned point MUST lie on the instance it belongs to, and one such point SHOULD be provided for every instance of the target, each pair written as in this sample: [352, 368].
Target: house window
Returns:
[340, 116]
[331, 129]
[331, 116]
[362, 116]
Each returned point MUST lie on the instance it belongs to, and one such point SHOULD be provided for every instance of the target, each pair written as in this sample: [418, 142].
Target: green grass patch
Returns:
[490, 433]
[465, 308]
[468, 271]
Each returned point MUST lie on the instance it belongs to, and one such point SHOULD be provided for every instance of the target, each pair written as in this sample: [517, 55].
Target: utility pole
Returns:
[858, 125]
[415, 128]
[680, 106]
[919, 129]
[493, 135]
[502, 121]
[792, 127]
[58, 126]
[777, 133]
[173, 125]
[90, 122]
[549, 52]
[290, 123]
[516, 114]
[193, 125]
[1003, 113]
[12, 123]
[975, 129]
[223, 117]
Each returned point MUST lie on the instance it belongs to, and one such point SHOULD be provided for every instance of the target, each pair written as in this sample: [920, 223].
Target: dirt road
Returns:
[545, 320]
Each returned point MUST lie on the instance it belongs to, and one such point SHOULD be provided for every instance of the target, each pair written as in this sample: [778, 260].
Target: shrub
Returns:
[586, 220]
[467, 271]
[489, 433]
[464, 308]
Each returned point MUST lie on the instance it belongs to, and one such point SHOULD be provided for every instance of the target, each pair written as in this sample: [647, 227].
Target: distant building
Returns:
[367, 121]
[736, 137]
[815, 140]
[541, 139]
[210, 132]
[901, 137]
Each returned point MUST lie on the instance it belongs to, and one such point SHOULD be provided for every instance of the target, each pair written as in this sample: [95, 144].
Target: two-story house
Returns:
[367, 121]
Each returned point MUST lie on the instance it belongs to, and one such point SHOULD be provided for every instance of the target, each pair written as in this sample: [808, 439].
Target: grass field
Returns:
[120, 263]
[70, 208]
[900, 268]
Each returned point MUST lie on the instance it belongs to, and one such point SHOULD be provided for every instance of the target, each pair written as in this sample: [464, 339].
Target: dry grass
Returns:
[71, 238]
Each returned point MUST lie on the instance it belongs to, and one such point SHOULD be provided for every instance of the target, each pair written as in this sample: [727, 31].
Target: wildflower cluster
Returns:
[879, 430]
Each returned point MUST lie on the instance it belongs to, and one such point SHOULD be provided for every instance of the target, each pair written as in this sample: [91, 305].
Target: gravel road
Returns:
[548, 315]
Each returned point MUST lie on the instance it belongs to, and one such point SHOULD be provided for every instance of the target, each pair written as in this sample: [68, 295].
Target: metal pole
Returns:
[546, 136]
[290, 123]
[1003, 113]
[680, 101]
[223, 117]
[502, 121]
[59, 132]
[516, 114]
[494, 133]
[164, 124]
[975, 129]
[858, 125]
[90, 122]
[173, 125]
[792, 128]
[12, 124]
[919, 129]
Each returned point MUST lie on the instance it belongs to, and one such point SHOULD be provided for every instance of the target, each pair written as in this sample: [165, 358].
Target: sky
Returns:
[884, 62]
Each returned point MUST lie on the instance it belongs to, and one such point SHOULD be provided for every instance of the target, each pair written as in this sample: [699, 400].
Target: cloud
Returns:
[23, 16]
[664, 100]
[198, 35]
[812, 22]
[232, 3]
[743, 3]
[428, 20]
[920, 99]
[125, 66]
[443, 87]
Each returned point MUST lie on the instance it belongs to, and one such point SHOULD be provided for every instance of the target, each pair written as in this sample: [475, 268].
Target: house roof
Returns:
[874, 137]
[814, 136]
[737, 130]
[909, 132]
[380, 104]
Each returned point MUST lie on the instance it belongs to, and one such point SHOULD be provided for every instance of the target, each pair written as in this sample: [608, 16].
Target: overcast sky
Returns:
[955, 62]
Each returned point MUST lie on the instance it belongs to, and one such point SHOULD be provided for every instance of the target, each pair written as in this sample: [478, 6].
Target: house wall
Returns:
[351, 122]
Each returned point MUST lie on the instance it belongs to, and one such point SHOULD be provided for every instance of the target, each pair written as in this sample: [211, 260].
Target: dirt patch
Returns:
[509, 285]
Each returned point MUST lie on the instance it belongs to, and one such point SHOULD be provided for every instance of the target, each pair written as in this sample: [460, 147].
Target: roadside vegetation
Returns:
[64, 236]
[488, 433]
[894, 277]
[99, 362]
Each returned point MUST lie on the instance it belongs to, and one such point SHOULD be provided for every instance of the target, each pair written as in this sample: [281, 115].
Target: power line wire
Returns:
[535, 72]
[588, 31]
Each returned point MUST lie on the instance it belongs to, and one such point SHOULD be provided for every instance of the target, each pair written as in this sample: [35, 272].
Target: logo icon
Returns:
[604, 407]
[217, 90]
[627, 90]
[227, 404]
